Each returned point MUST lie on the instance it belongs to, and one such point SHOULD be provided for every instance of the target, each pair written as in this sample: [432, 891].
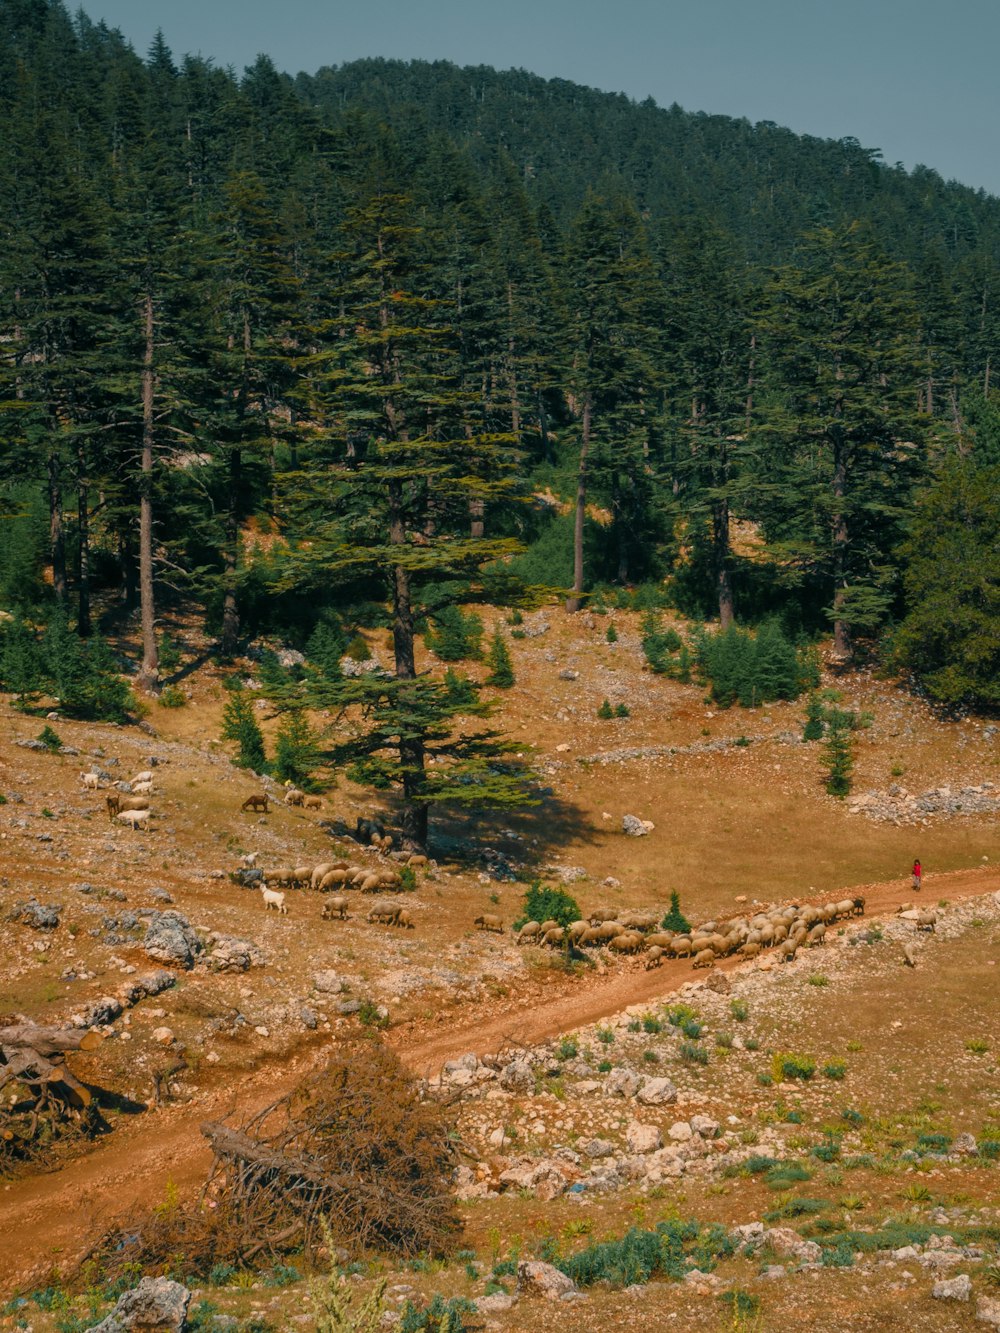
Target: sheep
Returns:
[704, 958]
[145, 776]
[629, 941]
[909, 959]
[142, 788]
[788, 951]
[859, 905]
[553, 938]
[845, 908]
[134, 818]
[371, 883]
[816, 936]
[654, 957]
[91, 781]
[662, 938]
[404, 920]
[303, 876]
[416, 860]
[258, 800]
[312, 803]
[249, 861]
[387, 913]
[680, 946]
[333, 879]
[489, 921]
[274, 899]
[320, 871]
[577, 930]
[117, 803]
[284, 875]
[927, 921]
[602, 914]
[529, 931]
[548, 925]
[750, 950]
[293, 796]
[336, 904]
[592, 936]
[644, 921]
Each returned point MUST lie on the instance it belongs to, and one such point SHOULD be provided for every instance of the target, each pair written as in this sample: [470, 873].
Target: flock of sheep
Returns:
[331, 876]
[786, 928]
[129, 802]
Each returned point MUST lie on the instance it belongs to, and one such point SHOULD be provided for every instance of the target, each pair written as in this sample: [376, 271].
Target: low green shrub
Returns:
[544, 904]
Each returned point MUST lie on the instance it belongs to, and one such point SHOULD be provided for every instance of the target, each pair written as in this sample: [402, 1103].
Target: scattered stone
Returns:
[705, 1127]
[328, 983]
[160, 895]
[537, 1279]
[657, 1092]
[643, 1138]
[597, 1148]
[518, 1076]
[636, 827]
[953, 1289]
[230, 954]
[499, 1302]
[170, 939]
[988, 1311]
[155, 1304]
[163, 1036]
[39, 916]
[680, 1131]
[785, 1241]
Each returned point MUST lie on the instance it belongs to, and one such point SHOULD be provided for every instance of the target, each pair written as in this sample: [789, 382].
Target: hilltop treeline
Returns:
[299, 348]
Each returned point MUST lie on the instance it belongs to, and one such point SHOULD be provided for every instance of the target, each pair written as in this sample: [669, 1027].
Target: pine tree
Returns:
[296, 750]
[501, 675]
[240, 725]
[838, 755]
[815, 719]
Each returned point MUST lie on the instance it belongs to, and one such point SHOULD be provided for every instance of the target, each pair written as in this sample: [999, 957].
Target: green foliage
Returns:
[838, 755]
[240, 726]
[659, 647]
[605, 711]
[836, 1070]
[545, 904]
[407, 879]
[752, 669]
[455, 635]
[611, 634]
[501, 675]
[296, 750]
[568, 1049]
[815, 719]
[169, 653]
[172, 696]
[440, 1316]
[640, 1255]
[622, 710]
[81, 674]
[357, 650]
[674, 919]
[692, 1053]
[740, 1010]
[326, 645]
[786, 1065]
[949, 638]
[50, 739]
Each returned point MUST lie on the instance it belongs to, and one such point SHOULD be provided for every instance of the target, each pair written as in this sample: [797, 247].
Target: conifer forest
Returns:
[372, 345]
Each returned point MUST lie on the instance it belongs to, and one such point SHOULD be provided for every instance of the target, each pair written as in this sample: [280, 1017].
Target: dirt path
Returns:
[55, 1217]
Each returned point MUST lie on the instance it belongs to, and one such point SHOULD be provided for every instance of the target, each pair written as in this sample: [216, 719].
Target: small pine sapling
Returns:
[815, 716]
[838, 756]
[501, 675]
[611, 634]
[240, 726]
[605, 711]
[675, 918]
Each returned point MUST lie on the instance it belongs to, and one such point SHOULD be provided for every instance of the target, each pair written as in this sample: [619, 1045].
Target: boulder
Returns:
[537, 1279]
[231, 954]
[327, 982]
[170, 939]
[518, 1076]
[643, 1138]
[597, 1148]
[988, 1307]
[622, 1083]
[635, 827]
[953, 1288]
[657, 1092]
[155, 1304]
[680, 1131]
[786, 1242]
[705, 1127]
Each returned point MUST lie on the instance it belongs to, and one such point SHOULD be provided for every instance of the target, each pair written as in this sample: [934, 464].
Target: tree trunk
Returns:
[721, 559]
[842, 646]
[543, 429]
[230, 559]
[575, 600]
[57, 536]
[515, 403]
[83, 624]
[149, 675]
[411, 748]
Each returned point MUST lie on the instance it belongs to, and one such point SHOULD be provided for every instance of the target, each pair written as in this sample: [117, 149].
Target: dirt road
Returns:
[56, 1217]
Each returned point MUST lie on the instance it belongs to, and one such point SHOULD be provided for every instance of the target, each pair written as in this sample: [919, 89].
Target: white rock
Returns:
[537, 1279]
[953, 1289]
[643, 1138]
[705, 1127]
[163, 1036]
[679, 1131]
[657, 1092]
[988, 1307]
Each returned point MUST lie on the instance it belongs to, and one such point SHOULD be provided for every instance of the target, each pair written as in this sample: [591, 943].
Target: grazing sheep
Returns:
[283, 875]
[577, 930]
[750, 950]
[386, 912]
[257, 801]
[118, 804]
[293, 796]
[142, 788]
[629, 941]
[90, 780]
[654, 957]
[908, 956]
[529, 931]
[927, 921]
[371, 883]
[644, 921]
[312, 803]
[859, 905]
[549, 925]
[331, 880]
[134, 818]
[591, 937]
[404, 920]
[704, 958]
[816, 936]
[335, 905]
[662, 938]
[602, 914]
[303, 875]
[680, 946]
[553, 938]
[845, 908]
[489, 921]
[788, 951]
[274, 899]
[416, 860]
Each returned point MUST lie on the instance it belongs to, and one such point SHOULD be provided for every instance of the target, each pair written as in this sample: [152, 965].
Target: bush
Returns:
[605, 711]
[325, 647]
[240, 725]
[753, 669]
[440, 1316]
[83, 675]
[501, 675]
[785, 1065]
[50, 739]
[172, 696]
[611, 634]
[568, 1049]
[740, 1010]
[838, 756]
[544, 904]
[659, 647]
[622, 710]
[296, 750]
[836, 1069]
[675, 919]
[454, 634]
[692, 1053]
[815, 724]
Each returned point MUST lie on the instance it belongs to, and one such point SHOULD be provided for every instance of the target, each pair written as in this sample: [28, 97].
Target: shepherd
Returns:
[917, 872]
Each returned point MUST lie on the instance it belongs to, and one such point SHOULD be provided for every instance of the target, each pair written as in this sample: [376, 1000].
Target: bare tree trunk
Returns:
[149, 675]
[515, 403]
[83, 623]
[721, 557]
[543, 428]
[575, 600]
[411, 748]
[230, 559]
[842, 646]
[57, 536]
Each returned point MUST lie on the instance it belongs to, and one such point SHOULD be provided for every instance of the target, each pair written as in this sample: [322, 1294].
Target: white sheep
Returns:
[275, 900]
[134, 818]
[142, 788]
[90, 780]
[145, 776]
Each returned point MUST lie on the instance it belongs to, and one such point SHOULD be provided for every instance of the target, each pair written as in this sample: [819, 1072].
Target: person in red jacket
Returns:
[917, 872]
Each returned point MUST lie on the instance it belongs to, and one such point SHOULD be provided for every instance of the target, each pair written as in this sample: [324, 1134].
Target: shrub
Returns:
[692, 1053]
[605, 711]
[740, 1010]
[605, 1067]
[296, 750]
[50, 739]
[568, 1049]
[852, 1117]
[84, 675]
[815, 719]
[440, 1316]
[357, 650]
[544, 904]
[651, 1057]
[724, 1041]
[611, 634]
[934, 1143]
[836, 1069]
[240, 725]
[172, 696]
[691, 1028]
[751, 1044]
[605, 1036]
[659, 646]
[785, 1065]
[407, 879]
[325, 647]
[454, 634]
[752, 669]
[785, 1174]
[839, 757]
[501, 675]
[22, 670]
[675, 919]
[622, 710]
[651, 1024]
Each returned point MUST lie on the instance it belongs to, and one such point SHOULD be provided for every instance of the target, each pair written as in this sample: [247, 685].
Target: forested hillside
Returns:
[297, 349]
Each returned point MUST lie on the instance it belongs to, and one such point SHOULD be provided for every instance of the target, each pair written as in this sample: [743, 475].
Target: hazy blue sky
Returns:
[915, 78]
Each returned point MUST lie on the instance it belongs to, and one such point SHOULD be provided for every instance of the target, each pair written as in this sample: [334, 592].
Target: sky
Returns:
[914, 78]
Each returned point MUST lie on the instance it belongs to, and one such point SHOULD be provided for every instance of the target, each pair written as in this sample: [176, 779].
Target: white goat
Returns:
[135, 818]
[90, 781]
[275, 900]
